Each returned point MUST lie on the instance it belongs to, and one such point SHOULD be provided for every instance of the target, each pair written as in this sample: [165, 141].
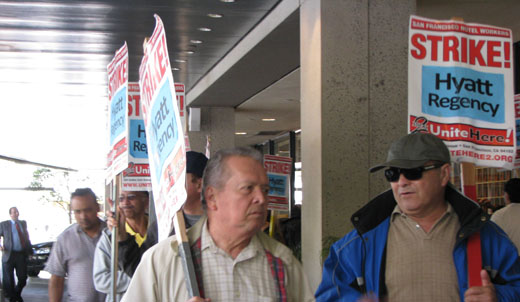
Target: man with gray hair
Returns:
[410, 243]
[234, 260]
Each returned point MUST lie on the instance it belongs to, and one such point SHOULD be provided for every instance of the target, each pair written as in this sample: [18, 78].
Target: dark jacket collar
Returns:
[380, 208]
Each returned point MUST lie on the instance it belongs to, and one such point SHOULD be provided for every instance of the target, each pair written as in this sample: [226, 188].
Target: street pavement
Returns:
[36, 289]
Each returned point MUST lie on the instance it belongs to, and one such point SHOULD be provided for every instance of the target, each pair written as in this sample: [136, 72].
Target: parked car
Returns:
[37, 260]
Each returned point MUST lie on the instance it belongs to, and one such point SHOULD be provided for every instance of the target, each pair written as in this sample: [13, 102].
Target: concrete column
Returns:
[353, 104]
[219, 124]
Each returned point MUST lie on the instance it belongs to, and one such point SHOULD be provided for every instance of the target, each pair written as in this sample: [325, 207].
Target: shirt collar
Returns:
[248, 252]
[397, 211]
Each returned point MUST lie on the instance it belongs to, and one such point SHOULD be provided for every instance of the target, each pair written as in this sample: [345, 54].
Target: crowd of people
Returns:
[416, 241]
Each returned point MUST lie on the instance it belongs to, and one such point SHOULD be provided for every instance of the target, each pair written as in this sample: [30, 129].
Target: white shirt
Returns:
[246, 278]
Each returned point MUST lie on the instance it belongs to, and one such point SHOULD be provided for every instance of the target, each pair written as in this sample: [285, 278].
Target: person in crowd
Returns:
[72, 255]
[233, 259]
[508, 218]
[15, 249]
[410, 242]
[130, 252]
[133, 205]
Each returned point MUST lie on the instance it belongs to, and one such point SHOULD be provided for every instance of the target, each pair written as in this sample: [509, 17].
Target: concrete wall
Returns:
[219, 124]
[353, 96]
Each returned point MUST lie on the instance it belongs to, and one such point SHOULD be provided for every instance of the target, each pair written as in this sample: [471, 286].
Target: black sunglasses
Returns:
[392, 174]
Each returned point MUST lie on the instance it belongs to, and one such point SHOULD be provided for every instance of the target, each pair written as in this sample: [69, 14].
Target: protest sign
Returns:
[460, 88]
[164, 133]
[279, 170]
[117, 158]
[517, 119]
[137, 176]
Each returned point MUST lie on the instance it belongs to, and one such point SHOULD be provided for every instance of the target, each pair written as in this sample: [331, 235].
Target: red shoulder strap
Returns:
[474, 254]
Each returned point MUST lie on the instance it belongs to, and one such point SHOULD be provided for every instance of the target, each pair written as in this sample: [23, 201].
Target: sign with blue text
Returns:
[460, 88]
[137, 176]
[279, 171]
[117, 158]
[164, 132]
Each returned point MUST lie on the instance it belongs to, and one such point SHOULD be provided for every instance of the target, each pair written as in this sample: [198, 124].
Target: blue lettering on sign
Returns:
[117, 115]
[163, 129]
[463, 92]
[277, 185]
[138, 148]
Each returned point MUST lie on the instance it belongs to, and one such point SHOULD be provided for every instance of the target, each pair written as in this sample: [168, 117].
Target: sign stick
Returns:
[185, 251]
[115, 244]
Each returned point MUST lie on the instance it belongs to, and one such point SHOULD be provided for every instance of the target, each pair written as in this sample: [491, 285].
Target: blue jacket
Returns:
[354, 266]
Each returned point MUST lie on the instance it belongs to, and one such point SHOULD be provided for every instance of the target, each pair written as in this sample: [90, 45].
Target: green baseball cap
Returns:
[415, 150]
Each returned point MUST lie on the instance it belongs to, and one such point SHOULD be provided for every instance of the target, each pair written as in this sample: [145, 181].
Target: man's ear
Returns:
[445, 174]
[210, 197]
[199, 184]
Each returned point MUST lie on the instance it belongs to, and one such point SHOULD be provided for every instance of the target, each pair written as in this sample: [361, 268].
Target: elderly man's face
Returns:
[419, 198]
[242, 203]
[133, 203]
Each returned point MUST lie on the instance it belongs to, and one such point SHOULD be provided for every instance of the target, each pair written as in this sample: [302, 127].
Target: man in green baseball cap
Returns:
[410, 242]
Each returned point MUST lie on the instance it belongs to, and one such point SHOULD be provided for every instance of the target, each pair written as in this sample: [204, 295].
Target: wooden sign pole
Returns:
[185, 251]
[115, 244]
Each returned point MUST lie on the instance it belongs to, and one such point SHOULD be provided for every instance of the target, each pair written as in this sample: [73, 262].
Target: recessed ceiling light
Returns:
[204, 29]
[240, 133]
[227, 1]
[216, 16]
[195, 41]
[268, 119]
[180, 61]
[190, 52]
[175, 69]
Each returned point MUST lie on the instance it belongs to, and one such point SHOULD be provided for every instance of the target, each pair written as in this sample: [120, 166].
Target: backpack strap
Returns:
[474, 255]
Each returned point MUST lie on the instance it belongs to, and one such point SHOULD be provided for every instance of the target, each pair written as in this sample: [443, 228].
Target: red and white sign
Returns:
[137, 176]
[517, 118]
[164, 132]
[460, 88]
[117, 158]
[279, 171]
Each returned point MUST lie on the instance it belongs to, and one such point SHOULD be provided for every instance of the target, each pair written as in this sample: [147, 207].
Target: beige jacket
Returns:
[160, 277]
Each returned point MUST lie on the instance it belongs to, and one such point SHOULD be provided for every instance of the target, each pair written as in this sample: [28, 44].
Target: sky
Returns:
[61, 132]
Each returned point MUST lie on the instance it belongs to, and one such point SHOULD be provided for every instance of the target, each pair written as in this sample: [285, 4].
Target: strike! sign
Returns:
[137, 176]
[117, 158]
[517, 116]
[279, 171]
[164, 134]
[460, 88]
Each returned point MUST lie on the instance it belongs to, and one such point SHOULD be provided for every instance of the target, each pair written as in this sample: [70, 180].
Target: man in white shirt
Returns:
[233, 259]
[508, 217]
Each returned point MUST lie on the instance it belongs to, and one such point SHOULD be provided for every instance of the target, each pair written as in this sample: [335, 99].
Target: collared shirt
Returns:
[138, 238]
[246, 278]
[508, 218]
[17, 244]
[419, 265]
[72, 256]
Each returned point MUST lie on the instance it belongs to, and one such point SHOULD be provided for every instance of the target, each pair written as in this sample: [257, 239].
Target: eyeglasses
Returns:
[392, 174]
